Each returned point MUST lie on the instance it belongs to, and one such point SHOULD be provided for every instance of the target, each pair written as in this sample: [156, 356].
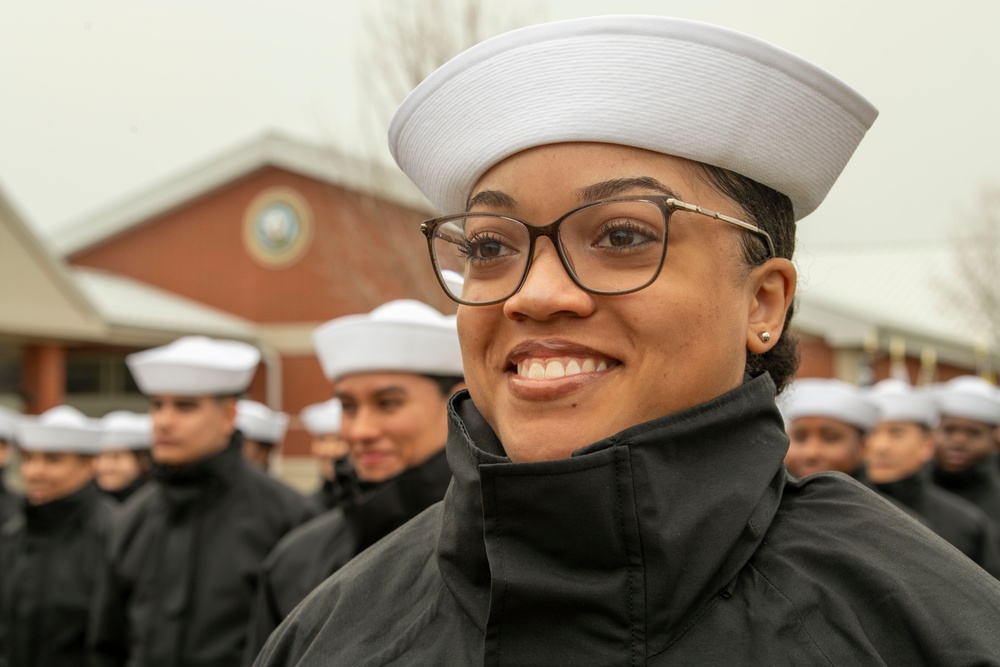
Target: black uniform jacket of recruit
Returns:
[185, 561]
[51, 559]
[959, 522]
[979, 484]
[679, 541]
[318, 548]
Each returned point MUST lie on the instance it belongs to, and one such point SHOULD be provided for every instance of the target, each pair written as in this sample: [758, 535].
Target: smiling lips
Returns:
[549, 368]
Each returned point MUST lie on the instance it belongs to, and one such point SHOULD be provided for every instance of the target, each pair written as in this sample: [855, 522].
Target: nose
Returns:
[361, 427]
[548, 289]
[31, 469]
[875, 445]
[811, 451]
[162, 418]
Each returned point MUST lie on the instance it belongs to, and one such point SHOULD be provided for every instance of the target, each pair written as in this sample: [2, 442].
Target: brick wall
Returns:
[363, 252]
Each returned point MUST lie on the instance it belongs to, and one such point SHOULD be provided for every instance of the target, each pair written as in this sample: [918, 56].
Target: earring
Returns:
[764, 336]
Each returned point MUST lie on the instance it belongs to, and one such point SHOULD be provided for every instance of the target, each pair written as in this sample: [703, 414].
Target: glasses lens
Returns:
[481, 257]
[615, 246]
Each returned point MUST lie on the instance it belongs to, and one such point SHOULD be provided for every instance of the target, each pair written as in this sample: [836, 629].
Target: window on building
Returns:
[101, 373]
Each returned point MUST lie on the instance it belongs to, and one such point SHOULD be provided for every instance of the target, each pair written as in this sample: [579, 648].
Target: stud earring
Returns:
[764, 336]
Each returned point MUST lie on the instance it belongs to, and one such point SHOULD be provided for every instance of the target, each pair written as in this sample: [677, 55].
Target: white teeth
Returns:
[546, 369]
[554, 369]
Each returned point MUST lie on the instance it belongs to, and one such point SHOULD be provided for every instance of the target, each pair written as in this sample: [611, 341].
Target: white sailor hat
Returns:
[126, 430]
[322, 418]
[258, 422]
[673, 86]
[400, 336]
[195, 366]
[8, 424]
[454, 280]
[822, 397]
[59, 429]
[970, 397]
[896, 400]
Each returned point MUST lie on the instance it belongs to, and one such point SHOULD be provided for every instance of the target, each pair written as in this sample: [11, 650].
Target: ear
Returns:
[927, 448]
[228, 407]
[773, 283]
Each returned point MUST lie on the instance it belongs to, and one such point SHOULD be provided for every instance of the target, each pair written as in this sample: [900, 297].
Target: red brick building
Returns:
[282, 235]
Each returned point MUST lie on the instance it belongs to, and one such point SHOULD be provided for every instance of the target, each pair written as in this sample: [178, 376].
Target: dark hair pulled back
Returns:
[771, 211]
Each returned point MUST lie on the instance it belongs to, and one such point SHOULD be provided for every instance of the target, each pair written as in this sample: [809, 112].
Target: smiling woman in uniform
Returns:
[621, 196]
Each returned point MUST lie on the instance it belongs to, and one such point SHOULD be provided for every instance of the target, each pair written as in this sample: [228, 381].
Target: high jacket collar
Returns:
[395, 501]
[910, 490]
[626, 540]
[186, 484]
[978, 476]
[49, 517]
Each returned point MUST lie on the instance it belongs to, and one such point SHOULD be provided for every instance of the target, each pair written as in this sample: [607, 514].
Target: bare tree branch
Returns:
[976, 256]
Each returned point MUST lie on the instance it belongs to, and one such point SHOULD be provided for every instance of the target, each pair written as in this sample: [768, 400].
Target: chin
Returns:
[543, 446]
[550, 438]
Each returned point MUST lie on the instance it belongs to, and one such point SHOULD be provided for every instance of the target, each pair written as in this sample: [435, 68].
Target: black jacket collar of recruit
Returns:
[668, 510]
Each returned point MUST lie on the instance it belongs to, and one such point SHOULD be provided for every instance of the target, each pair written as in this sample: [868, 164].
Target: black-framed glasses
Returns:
[610, 246]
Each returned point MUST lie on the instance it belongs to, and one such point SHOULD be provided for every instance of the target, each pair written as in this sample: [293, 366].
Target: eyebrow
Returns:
[492, 199]
[382, 392]
[618, 186]
[603, 190]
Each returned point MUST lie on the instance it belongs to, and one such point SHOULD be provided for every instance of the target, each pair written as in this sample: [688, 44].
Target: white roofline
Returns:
[135, 309]
[842, 327]
[62, 279]
[272, 149]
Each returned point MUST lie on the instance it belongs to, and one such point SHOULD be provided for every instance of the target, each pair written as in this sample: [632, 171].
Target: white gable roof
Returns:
[907, 290]
[38, 296]
[275, 150]
[130, 306]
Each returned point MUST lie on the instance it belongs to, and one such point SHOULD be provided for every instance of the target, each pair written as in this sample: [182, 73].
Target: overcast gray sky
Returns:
[99, 98]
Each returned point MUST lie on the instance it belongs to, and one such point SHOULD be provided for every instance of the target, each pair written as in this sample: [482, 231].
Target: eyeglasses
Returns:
[610, 246]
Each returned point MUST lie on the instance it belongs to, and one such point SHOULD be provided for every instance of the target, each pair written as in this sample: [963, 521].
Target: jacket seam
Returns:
[503, 569]
[628, 566]
[805, 628]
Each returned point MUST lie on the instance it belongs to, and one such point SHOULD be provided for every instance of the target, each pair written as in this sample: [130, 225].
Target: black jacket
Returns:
[342, 489]
[959, 522]
[10, 502]
[979, 484]
[317, 549]
[185, 562]
[680, 541]
[136, 485]
[51, 559]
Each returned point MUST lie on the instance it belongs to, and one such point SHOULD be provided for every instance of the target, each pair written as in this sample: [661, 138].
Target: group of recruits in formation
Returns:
[614, 485]
[931, 451]
[199, 566]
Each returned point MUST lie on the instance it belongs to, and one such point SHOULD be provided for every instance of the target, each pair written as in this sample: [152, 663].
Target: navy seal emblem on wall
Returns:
[277, 227]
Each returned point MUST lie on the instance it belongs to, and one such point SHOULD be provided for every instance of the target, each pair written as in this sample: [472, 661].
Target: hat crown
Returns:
[59, 429]
[65, 415]
[970, 397]
[322, 418]
[405, 336]
[827, 397]
[409, 311]
[122, 428]
[259, 422]
[195, 366]
[897, 400]
[692, 89]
